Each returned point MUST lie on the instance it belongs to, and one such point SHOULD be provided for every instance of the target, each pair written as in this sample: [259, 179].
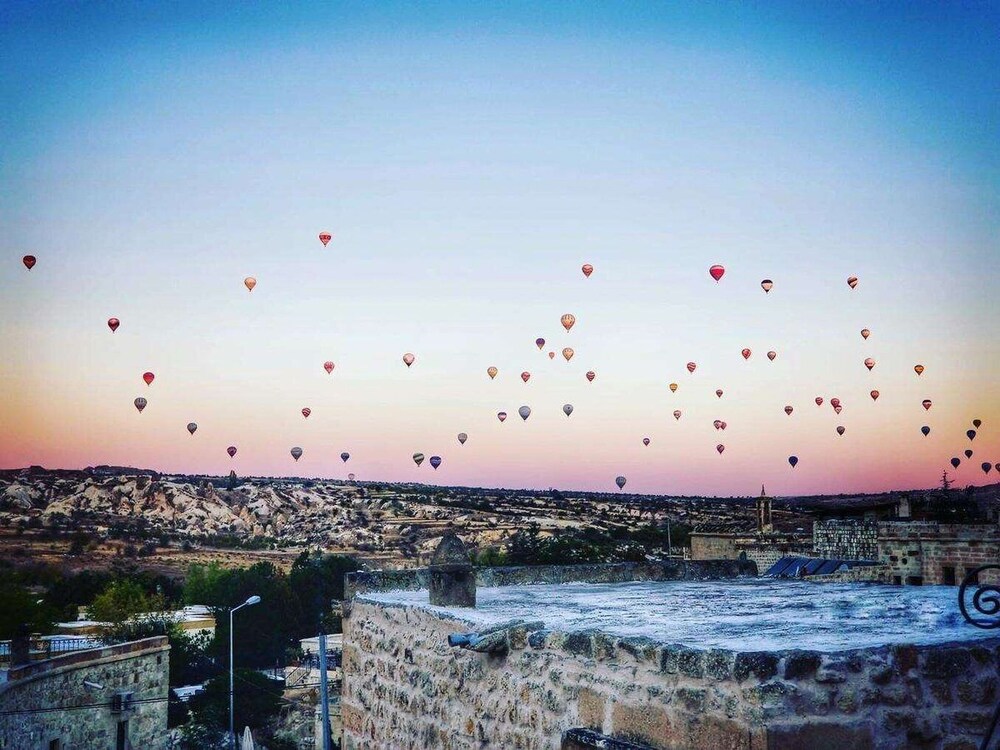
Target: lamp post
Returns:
[248, 603]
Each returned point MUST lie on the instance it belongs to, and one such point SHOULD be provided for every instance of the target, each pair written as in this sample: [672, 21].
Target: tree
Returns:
[18, 606]
[122, 599]
[256, 699]
[318, 582]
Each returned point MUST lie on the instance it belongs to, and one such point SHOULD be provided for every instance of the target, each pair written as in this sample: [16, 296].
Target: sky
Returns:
[468, 159]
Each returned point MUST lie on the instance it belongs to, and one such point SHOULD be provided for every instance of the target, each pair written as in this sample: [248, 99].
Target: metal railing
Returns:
[980, 605]
[45, 647]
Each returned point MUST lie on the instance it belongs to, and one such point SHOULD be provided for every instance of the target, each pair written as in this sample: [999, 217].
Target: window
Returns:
[948, 575]
[897, 580]
[914, 580]
[121, 739]
[55, 744]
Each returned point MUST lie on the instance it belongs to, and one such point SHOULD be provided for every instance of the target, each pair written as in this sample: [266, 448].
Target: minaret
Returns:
[764, 524]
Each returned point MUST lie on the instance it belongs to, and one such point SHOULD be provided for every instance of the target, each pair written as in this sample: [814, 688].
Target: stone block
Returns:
[693, 699]
[719, 664]
[801, 665]
[761, 664]
[814, 735]
[904, 657]
[946, 662]
[980, 692]
[580, 642]
[590, 706]
[691, 663]
[643, 723]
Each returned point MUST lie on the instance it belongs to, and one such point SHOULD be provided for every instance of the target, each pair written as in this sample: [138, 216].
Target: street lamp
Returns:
[248, 603]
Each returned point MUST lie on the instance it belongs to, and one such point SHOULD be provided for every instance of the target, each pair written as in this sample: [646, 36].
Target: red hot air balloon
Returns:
[716, 272]
[140, 404]
[834, 402]
[328, 366]
[29, 261]
[852, 281]
[325, 238]
[587, 269]
[540, 342]
[113, 324]
[819, 401]
[525, 376]
[841, 429]
[746, 353]
[691, 366]
[772, 355]
[789, 410]
[720, 447]
[874, 395]
[306, 411]
[926, 403]
[645, 441]
[717, 424]
[148, 377]
[724, 425]
[408, 359]
[591, 375]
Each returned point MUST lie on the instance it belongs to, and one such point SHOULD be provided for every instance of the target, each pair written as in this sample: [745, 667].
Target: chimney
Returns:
[453, 581]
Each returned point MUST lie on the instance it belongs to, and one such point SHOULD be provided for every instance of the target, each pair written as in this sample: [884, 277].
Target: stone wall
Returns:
[404, 687]
[764, 550]
[846, 539]
[140, 667]
[713, 547]
[416, 579]
[925, 551]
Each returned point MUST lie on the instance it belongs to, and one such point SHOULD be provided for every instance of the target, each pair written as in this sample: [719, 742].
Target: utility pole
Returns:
[324, 697]
[670, 545]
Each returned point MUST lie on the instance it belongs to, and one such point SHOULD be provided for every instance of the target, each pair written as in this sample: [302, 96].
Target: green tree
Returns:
[318, 583]
[256, 699]
[122, 599]
[19, 606]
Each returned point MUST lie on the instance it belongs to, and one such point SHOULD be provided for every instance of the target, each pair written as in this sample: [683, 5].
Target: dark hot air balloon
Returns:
[971, 434]
[926, 430]
[29, 261]
[462, 437]
[852, 281]
[418, 458]
[986, 467]
[955, 461]
[645, 441]
[501, 415]
[819, 401]
[525, 376]
[869, 363]
[306, 411]
[789, 410]
[539, 342]
[140, 404]
[771, 355]
[838, 408]
[977, 423]
[192, 427]
[587, 269]
[841, 430]
[435, 461]
[926, 403]
[620, 481]
[720, 447]
[691, 366]
[677, 414]
[567, 409]
[865, 333]
[591, 375]
[718, 392]
[296, 453]
[874, 395]
[345, 456]
[919, 369]
[113, 324]
[793, 460]
[231, 450]
[525, 412]
[968, 453]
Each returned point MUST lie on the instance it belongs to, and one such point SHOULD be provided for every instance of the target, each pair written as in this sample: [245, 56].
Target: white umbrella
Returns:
[247, 742]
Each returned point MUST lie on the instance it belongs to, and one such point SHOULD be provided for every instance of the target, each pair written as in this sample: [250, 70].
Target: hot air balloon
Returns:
[148, 377]
[718, 392]
[869, 363]
[113, 324]
[492, 372]
[250, 282]
[834, 402]
[587, 269]
[296, 453]
[772, 355]
[955, 462]
[408, 359]
[435, 461]
[789, 410]
[591, 375]
[345, 456]
[620, 481]
[568, 353]
[231, 450]
[328, 366]
[567, 409]
[852, 281]
[918, 369]
[325, 237]
[986, 467]
[539, 342]
[552, 355]
[766, 285]
[140, 404]
[746, 353]
[462, 437]
[192, 427]
[350, 477]
[841, 430]
[525, 412]
[673, 387]
[306, 411]
[997, 467]
[525, 376]
[723, 425]
[926, 430]
[819, 401]
[716, 272]
[717, 424]
[926, 403]
[720, 447]
[968, 453]
[691, 366]
[792, 460]
[874, 395]
[977, 423]
[29, 261]
[645, 441]
[971, 434]
[838, 408]
[567, 321]
[501, 415]
[418, 458]
[865, 333]
[677, 414]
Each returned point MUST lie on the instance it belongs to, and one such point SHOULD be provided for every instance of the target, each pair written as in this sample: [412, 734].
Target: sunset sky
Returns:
[468, 159]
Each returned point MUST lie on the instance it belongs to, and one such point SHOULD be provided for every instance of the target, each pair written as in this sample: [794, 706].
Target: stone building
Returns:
[764, 542]
[112, 698]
